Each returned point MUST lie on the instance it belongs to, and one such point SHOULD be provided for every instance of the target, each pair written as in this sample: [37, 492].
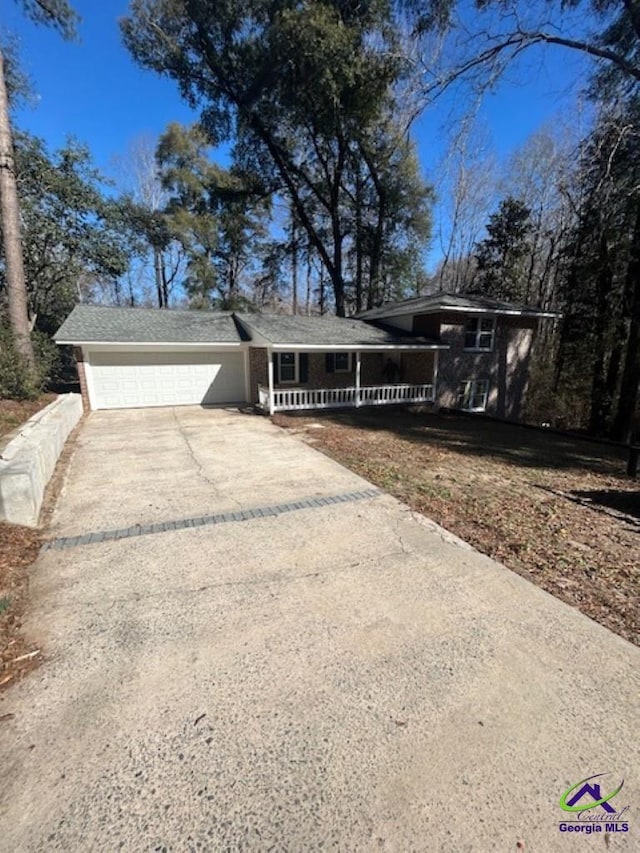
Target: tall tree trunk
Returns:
[337, 279]
[375, 260]
[338, 290]
[165, 284]
[132, 296]
[294, 263]
[12, 242]
[621, 336]
[598, 380]
[358, 242]
[157, 268]
[307, 307]
[628, 399]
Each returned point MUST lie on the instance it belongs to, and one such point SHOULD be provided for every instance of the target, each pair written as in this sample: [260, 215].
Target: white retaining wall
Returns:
[28, 461]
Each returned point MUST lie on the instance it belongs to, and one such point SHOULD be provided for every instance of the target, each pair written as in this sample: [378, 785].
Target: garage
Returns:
[137, 357]
[131, 379]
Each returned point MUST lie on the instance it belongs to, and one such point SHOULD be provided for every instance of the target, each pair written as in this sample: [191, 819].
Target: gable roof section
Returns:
[97, 324]
[300, 332]
[92, 324]
[439, 302]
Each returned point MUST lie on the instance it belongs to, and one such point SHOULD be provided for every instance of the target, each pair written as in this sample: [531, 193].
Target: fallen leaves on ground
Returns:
[13, 413]
[19, 547]
[556, 510]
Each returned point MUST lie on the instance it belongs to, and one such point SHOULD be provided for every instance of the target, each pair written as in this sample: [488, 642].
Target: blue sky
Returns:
[94, 91]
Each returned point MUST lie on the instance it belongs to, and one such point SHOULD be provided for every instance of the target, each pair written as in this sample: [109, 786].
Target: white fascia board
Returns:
[458, 309]
[173, 345]
[354, 347]
[497, 312]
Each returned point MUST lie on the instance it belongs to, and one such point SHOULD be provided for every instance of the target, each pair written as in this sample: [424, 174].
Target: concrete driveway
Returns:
[255, 652]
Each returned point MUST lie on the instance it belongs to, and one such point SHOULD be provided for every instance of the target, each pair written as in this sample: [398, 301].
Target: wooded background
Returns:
[324, 206]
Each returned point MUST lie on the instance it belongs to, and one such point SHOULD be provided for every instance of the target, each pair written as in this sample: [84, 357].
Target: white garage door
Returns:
[124, 380]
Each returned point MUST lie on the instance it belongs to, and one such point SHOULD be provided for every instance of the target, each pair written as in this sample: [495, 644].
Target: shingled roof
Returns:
[286, 330]
[97, 324]
[437, 302]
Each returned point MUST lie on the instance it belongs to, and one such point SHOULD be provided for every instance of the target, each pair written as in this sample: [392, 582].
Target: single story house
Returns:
[445, 350]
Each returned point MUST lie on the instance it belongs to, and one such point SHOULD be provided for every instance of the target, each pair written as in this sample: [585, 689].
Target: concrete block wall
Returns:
[28, 460]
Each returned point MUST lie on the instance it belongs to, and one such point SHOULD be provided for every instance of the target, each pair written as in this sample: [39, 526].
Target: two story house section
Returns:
[486, 365]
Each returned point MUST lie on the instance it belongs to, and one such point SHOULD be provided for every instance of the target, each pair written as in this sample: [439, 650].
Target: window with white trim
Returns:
[287, 367]
[479, 334]
[342, 362]
[473, 395]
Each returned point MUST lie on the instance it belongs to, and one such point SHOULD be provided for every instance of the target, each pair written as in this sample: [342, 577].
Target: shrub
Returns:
[18, 381]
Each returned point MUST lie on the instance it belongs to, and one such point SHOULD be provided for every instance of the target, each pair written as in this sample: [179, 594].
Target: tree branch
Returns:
[519, 41]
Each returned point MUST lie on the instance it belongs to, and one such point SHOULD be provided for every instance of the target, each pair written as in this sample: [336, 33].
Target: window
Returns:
[287, 367]
[479, 333]
[473, 394]
[291, 368]
[338, 362]
[342, 362]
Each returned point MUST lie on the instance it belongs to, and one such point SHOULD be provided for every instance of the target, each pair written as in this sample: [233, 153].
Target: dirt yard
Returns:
[556, 510]
[16, 412]
[19, 547]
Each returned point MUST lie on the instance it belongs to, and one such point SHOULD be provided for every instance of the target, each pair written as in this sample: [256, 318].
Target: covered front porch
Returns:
[347, 378]
[290, 399]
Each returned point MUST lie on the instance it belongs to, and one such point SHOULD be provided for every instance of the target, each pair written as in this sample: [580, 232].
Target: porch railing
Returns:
[291, 399]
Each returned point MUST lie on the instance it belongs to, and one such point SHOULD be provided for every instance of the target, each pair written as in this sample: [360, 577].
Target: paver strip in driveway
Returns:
[205, 520]
[344, 676]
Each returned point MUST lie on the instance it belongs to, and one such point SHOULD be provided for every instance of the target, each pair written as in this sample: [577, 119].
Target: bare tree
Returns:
[479, 41]
[540, 173]
[138, 177]
[466, 183]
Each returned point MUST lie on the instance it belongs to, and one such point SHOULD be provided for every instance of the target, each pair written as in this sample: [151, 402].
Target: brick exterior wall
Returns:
[416, 367]
[77, 351]
[258, 371]
[506, 367]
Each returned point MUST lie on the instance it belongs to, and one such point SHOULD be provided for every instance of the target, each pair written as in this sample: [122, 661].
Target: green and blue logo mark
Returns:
[589, 808]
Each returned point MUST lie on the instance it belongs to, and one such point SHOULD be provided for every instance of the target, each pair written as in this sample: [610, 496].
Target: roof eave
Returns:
[201, 344]
[355, 347]
[462, 309]
[503, 312]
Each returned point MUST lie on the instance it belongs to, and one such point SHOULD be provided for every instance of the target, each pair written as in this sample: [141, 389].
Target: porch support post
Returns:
[358, 367]
[434, 381]
[270, 369]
